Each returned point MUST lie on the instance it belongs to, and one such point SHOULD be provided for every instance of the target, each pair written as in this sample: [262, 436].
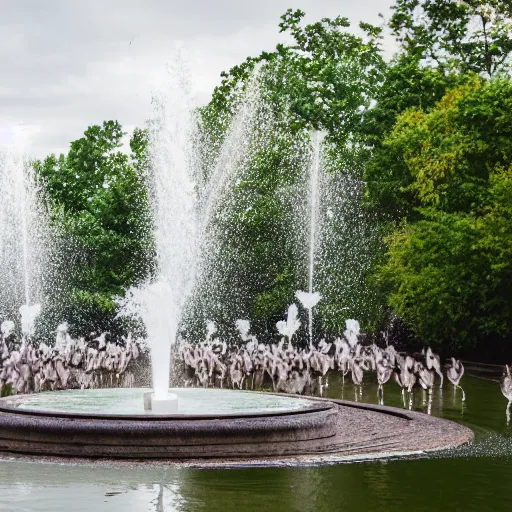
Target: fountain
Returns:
[243, 327]
[182, 212]
[310, 298]
[173, 197]
[200, 424]
[23, 232]
[352, 331]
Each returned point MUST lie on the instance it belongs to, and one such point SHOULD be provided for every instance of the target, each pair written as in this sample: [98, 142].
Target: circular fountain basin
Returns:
[191, 402]
[215, 425]
[209, 423]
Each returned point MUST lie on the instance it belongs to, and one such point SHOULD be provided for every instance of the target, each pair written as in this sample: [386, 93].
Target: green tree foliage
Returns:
[448, 153]
[419, 170]
[431, 276]
[324, 80]
[464, 35]
[407, 85]
[326, 77]
[97, 199]
[441, 44]
[448, 274]
[254, 268]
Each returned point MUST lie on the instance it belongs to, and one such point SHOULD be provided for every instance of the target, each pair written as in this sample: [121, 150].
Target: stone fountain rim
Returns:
[311, 407]
[309, 435]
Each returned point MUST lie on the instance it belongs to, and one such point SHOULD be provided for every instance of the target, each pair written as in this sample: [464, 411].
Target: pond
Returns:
[476, 478]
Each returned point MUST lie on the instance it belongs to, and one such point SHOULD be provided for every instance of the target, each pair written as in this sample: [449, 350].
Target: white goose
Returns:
[506, 389]
[454, 372]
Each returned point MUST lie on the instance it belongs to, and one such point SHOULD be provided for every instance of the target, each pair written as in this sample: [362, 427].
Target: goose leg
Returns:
[441, 376]
[508, 412]
[381, 394]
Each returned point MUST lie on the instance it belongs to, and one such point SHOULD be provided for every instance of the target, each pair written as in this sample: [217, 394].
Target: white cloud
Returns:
[66, 65]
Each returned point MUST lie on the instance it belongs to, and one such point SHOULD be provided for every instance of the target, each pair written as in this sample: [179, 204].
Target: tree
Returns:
[442, 45]
[324, 80]
[448, 271]
[97, 199]
[466, 35]
[407, 85]
[250, 269]
[431, 276]
[447, 154]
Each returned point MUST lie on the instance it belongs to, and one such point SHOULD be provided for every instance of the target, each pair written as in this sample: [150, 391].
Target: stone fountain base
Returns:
[323, 427]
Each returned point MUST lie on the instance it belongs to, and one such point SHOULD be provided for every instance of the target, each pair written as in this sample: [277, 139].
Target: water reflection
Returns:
[471, 478]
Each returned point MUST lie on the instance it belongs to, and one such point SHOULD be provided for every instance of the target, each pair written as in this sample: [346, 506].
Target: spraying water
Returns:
[310, 299]
[317, 138]
[289, 327]
[232, 155]
[181, 213]
[171, 191]
[23, 232]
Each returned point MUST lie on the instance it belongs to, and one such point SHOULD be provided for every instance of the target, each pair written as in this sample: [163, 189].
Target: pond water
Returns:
[474, 478]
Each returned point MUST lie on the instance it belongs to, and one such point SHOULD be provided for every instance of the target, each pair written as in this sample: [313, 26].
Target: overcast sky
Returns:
[66, 64]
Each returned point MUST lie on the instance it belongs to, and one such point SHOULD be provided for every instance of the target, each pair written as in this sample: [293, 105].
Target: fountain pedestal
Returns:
[166, 405]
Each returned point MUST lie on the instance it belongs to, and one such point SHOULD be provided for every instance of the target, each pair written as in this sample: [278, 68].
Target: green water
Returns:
[475, 478]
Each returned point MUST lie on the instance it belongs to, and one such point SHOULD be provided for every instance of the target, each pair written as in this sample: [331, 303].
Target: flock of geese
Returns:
[306, 371]
[98, 361]
[71, 363]
[289, 369]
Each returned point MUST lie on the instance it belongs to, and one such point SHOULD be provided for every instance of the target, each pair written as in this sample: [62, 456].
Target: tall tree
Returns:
[448, 272]
[325, 79]
[97, 199]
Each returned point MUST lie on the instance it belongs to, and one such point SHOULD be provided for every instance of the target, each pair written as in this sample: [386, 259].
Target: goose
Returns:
[236, 373]
[405, 377]
[62, 371]
[357, 375]
[425, 377]
[434, 363]
[392, 354]
[281, 372]
[320, 365]
[506, 388]
[297, 382]
[384, 372]
[219, 371]
[426, 381]
[454, 372]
